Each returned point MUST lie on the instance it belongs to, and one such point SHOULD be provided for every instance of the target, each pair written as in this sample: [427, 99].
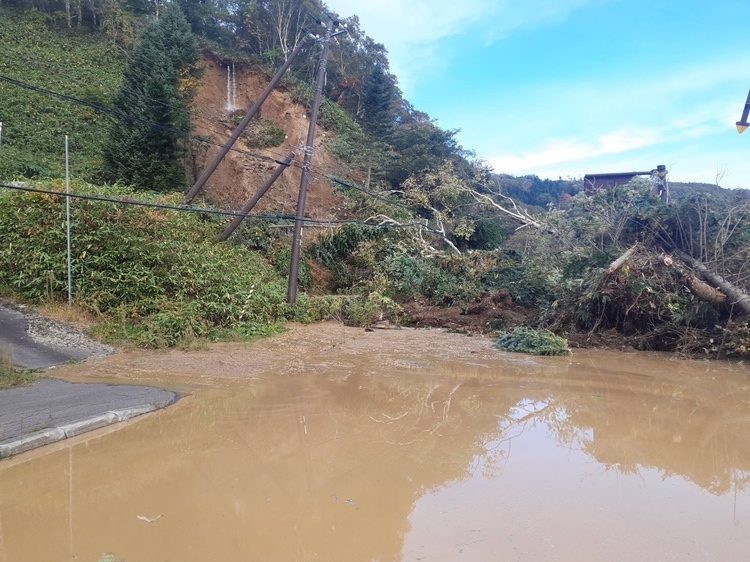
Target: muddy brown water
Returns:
[331, 443]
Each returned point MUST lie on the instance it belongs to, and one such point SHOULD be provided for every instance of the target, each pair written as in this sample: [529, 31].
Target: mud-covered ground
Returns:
[336, 443]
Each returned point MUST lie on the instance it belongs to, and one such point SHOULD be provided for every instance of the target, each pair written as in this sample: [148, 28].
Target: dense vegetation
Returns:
[429, 227]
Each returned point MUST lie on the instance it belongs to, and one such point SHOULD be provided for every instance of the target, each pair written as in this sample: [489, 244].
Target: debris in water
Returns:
[147, 520]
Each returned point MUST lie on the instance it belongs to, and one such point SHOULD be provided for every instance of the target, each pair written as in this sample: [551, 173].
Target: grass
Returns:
[152, 277]
[9, 375]
[77, 63]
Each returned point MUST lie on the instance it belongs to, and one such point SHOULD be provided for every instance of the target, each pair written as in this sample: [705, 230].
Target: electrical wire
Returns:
[202, 210]
[83, 75]
[128, 117]
[186, 134]
[366, 192]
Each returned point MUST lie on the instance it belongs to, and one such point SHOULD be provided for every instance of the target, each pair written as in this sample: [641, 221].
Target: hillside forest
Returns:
[404, 226]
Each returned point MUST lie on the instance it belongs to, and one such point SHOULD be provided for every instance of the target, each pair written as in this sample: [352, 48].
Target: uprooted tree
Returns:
[665, 278]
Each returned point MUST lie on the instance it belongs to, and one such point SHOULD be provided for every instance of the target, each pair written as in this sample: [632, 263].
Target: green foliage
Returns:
[266, 134]
[282, 260]
[145, 151]
[378, 116]
[531, 190]
[353, 310]
[421, 145]
[535, 342]
[9, 374]
[442, 281]
[488, 234]
[77, 63]
[372, 309]
[737, 340]
[155, 277]
[316, 309]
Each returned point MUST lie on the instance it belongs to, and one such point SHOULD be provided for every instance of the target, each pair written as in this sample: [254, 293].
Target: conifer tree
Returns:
[143, 150]
[379, 115]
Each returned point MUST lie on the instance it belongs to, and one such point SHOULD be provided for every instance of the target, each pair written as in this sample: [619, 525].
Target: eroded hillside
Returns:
[240, 174]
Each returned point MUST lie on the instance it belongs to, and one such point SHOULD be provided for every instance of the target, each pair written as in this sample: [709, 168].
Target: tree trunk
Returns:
[617, 264]
[736, 296]
[704, 291]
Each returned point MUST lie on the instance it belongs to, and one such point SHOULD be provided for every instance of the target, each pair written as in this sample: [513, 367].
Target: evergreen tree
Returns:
[143, 151]
[378, 110]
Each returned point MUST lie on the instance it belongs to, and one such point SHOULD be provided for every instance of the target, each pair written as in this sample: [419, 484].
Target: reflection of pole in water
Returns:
[70, 499]
[2, 542]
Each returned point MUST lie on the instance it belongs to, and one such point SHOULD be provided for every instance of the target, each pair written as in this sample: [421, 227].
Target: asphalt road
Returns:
[51, 409]
[28, 353]
[53, 403]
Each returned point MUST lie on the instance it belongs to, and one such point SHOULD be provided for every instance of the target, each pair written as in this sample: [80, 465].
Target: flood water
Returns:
[330, 443]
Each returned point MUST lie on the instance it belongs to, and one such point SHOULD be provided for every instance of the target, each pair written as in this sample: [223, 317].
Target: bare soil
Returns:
[240, 175]
[494, 311]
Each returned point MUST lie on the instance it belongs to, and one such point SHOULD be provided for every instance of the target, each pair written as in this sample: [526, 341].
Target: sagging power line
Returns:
[128, 117]
[204, 210]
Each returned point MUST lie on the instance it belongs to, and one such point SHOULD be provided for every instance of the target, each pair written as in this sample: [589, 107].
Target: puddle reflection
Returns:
[503, 459]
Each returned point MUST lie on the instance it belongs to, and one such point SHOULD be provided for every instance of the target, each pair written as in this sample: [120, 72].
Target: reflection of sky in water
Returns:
[538, 494]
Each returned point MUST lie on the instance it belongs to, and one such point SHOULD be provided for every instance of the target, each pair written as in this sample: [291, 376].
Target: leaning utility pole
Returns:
[283, 165]
[305, 180]
[742, 124]
[241, 127]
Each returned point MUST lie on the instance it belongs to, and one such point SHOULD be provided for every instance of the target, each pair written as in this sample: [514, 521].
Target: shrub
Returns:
[374, 308]
[154, 277]
[535, 342]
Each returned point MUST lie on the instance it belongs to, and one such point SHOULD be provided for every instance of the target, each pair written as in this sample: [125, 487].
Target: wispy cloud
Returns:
[570, 150]
[413, 30]
[690, 103]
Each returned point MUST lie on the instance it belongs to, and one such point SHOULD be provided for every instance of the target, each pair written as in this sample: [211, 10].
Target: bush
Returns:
[267, 134]
[534, 342]
[154, 277]
[374, 308]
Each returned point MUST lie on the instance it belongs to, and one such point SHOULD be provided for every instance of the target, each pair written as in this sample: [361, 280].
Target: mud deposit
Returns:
[328, 443]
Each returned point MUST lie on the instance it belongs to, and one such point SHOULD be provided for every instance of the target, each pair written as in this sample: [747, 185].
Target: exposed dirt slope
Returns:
[239, 175]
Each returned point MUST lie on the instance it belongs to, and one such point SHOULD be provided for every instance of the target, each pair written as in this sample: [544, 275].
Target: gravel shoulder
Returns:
[50, 409]
[37, 342]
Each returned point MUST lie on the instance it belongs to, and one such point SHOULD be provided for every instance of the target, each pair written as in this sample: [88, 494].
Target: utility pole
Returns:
[241, 127]
[67, 217]
[305, 180]
[742, 124]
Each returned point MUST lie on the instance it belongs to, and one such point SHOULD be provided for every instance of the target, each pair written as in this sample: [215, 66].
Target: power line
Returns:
[366, 192]
[185, 134]
[83, 76]
[88, 76]
[201, 210]
[127, 116]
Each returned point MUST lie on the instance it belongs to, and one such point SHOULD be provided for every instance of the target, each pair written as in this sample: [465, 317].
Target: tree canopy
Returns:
[144, 150]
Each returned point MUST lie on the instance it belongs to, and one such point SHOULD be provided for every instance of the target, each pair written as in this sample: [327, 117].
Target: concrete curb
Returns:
[53, 435]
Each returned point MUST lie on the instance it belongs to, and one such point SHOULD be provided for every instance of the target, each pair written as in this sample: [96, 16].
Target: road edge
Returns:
[55, 434]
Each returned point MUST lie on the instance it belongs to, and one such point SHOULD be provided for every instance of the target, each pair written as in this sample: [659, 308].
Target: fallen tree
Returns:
[737, 296]
[617, 264]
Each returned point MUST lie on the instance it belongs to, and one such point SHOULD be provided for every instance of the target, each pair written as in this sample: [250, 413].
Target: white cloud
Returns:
[687, 107]
[412, 30]
[570, 150]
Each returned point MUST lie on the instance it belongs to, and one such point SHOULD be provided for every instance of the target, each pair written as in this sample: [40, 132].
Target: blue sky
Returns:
[561, 88]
